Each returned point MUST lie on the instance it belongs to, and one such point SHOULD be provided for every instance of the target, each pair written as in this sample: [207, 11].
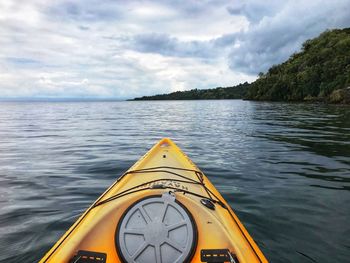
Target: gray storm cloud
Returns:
[170, 46]
[274, 34]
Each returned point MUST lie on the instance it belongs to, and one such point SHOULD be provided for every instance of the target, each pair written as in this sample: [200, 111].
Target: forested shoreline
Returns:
[319, 72]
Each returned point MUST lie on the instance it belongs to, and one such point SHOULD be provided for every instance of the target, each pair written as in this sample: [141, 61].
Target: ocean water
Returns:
[284, 168]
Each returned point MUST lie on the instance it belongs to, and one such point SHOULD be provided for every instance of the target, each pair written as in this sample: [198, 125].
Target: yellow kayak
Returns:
[162, 210]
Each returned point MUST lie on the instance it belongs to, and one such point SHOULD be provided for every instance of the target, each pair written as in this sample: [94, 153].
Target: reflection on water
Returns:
[284, 168]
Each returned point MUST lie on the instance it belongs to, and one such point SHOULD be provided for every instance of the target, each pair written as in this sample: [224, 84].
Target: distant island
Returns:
[319, 72]
[235, 92]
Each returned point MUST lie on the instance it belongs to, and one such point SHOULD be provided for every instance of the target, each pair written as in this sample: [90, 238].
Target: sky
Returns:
[123, 49]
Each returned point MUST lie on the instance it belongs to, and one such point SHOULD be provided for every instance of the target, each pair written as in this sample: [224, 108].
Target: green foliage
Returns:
[235, 92]
[322, 66]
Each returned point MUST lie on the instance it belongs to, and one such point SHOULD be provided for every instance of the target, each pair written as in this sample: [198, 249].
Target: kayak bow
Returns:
[163, 209]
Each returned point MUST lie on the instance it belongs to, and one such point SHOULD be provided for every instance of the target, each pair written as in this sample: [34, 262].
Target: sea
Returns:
[283, 167]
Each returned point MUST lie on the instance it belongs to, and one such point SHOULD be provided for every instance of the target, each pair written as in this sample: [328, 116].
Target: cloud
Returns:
[89, 10]
[122, 49]
[171, 46]
[255, 10]
[274, 34]
[22, 61]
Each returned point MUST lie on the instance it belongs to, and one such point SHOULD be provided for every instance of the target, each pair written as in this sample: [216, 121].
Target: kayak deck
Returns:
[168, 176]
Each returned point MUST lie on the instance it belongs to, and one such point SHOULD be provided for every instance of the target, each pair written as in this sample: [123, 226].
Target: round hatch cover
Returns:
[156, 229]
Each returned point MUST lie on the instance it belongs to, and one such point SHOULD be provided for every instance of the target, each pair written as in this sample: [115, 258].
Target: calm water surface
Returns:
[284, 168]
